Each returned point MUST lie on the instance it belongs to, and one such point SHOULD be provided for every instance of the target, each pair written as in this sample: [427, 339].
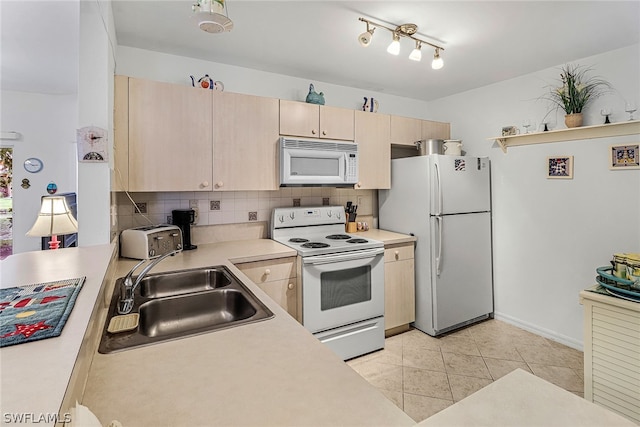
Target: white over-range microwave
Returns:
[314, 163]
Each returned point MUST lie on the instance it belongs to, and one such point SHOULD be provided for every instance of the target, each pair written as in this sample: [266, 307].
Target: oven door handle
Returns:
[345, 256]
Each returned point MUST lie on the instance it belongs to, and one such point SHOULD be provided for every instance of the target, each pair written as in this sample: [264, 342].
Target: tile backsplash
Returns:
[233, 207]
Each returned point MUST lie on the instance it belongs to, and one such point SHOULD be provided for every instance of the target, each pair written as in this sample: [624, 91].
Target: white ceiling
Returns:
[484, 41]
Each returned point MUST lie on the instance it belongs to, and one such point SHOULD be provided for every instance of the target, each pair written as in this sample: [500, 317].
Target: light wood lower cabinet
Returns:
[399, 286]
[277, 278]
[612, 353]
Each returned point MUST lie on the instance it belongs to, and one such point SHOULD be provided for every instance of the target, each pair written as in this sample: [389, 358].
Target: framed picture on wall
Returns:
[623, 157]
[560, 167]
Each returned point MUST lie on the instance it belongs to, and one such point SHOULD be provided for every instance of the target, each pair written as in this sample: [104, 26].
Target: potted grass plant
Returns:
[576, 91]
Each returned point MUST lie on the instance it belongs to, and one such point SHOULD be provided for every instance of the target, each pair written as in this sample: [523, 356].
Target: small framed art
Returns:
[560, 167]
[623, 157]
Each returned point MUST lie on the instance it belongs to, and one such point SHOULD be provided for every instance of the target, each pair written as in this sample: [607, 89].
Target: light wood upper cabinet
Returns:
[435, 130]
[405, 130]
[316, 121]
[170, 134]
[372, 135]
[245, 138]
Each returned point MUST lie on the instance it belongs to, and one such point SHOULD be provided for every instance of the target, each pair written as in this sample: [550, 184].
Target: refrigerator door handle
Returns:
[439, 189]
[439, 257]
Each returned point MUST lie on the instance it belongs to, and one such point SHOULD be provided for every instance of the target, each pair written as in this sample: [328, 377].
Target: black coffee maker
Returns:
[183, 218]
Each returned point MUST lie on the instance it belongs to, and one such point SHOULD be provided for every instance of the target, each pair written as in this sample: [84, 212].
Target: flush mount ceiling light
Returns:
[404, 30]
[212, 16]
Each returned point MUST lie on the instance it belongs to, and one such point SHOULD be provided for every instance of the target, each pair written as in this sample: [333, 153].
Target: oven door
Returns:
[344, 288]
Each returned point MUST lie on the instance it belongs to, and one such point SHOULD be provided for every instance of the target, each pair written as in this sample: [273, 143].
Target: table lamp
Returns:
[54, 218]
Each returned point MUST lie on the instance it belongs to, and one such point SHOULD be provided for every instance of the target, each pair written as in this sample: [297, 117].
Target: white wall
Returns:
[177, 69]
[47, 124]
[550, 235]
[95, 108]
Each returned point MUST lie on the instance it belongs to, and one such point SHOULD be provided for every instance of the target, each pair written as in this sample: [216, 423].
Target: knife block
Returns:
[351, 227]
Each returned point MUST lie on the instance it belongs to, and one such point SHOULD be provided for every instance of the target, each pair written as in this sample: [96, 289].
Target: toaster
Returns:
[150, 241]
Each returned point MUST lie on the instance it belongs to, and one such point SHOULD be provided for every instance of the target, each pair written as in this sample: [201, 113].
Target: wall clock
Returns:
[33, 165]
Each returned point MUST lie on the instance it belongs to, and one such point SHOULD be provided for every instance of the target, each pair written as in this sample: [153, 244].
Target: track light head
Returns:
[437, 62]
[394, 47]
[365, 38]
[416, 53]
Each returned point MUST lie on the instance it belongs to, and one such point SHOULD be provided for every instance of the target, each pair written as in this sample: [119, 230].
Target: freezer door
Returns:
[461, 272]
[459, 184]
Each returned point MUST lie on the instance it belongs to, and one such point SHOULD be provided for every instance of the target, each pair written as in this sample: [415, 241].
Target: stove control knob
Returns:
[329, 214]
[281, 218]
[292, 215]
[338, 215]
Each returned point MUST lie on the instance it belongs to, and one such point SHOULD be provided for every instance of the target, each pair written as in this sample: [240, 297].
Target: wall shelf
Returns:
[630, 127]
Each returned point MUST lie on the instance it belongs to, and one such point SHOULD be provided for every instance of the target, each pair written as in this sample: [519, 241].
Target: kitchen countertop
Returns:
[522, 399]
[388, 237]
[35, 374]
[272, 372]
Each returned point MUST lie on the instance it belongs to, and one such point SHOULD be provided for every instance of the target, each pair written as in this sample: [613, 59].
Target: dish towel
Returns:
[35, 312]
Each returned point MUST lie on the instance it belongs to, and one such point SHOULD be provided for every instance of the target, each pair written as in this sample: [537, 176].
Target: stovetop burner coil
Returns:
[315, 245]
[357, 241]
[298, 240]
[338, 236]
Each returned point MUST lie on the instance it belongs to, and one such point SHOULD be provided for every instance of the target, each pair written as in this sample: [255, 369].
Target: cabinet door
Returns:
[399, 293]
[245, 138]
[284, 293]
[435, 130]
[336, 123]
[405, 130]
[121, 133]
[299, 119]
[399, 286]
[170, 137]
[372, 135]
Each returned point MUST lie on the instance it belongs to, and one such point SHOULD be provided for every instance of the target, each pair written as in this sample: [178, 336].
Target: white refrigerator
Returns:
[445, 201]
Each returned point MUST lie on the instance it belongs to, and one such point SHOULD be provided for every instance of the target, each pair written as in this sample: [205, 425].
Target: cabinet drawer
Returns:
[269, 270]
[398, 253]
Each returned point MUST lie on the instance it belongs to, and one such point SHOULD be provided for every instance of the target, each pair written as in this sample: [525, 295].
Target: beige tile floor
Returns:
[423, 375]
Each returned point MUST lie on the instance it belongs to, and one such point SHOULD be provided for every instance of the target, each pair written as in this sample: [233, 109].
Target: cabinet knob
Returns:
[397, 254]
[358, 185]
[205, 184]
[324, 132]
[267, 271]
[219, 184]
[313, 131]
[290, 286]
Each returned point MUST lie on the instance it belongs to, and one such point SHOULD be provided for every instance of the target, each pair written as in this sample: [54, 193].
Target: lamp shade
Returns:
[54, 218]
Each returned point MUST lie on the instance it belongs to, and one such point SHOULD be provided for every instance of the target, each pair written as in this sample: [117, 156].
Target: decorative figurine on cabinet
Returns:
[370, 105]
[313, 97]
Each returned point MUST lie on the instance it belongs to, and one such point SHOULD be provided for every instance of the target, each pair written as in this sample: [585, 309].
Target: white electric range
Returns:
[342, 278]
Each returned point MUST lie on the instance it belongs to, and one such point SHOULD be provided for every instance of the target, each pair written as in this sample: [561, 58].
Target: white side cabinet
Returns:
[612, 353]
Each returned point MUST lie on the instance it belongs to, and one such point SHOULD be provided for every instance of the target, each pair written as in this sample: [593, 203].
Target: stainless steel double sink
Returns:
[183, 303]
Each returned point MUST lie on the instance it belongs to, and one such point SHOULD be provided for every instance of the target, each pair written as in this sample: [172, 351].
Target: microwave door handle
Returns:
[347, 256]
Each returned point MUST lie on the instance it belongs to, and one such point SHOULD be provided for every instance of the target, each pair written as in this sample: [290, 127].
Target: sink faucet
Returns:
[125, 305]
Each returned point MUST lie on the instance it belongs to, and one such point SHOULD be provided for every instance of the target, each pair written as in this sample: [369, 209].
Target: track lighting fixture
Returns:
[404, 30]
